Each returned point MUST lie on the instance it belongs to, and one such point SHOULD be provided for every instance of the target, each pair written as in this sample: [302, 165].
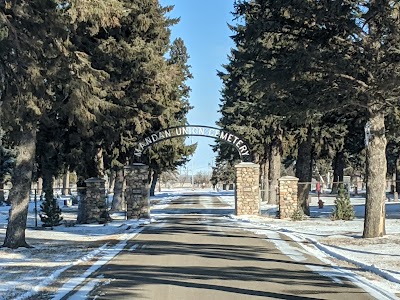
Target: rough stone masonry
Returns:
[92, 206]
[247, 195]
[137, 193]
[288, 203]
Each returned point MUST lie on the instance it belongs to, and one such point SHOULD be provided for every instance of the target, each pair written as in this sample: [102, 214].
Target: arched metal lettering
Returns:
[196, 130]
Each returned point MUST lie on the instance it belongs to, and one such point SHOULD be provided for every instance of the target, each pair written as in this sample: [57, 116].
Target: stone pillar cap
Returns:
[247, 165]
[94, 179]
[288, 178]
[135, 165]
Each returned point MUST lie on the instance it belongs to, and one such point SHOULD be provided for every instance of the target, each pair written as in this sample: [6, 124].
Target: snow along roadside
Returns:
[300, 239]
[321, 252]
[104, 251]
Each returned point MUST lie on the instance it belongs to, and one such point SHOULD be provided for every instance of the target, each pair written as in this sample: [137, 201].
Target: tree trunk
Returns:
[398, 176]
[264, 180]
[111, 182]
[20, 191]
[100, 162]
[275, 168]
[304, 172]
[338, 172]
[374, 222]
[392, 182]
[2, 197]
[66, 190]
[335, 183]
[118, 203]
[48, 183]
[153, 183]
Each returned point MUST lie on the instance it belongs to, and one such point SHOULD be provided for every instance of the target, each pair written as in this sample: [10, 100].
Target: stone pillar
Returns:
[93, 206]
[288, 203]
[137, 192]
[247, 193]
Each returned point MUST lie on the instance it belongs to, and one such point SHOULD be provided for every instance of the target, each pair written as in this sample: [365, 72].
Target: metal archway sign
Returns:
[196, 130]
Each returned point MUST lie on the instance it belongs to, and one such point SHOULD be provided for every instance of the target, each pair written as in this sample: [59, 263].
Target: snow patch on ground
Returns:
[341, 241]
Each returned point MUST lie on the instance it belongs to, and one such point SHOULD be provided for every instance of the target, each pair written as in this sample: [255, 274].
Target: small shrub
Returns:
[50, 213]
[298, 215]
[343, 208]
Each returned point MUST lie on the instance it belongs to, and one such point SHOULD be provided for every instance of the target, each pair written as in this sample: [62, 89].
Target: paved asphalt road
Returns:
[195, 252]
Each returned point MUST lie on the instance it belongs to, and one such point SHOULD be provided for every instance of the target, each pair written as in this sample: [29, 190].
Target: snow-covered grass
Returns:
[24, 272]
[341, 240]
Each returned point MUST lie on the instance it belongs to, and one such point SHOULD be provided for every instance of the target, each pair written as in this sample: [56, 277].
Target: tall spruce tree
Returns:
[84, 91]
[241, 110]
[117, 75]
[311, 51]
[280, 62]
[133, 55]
[28, 42]
[169, 155]
[141, 80]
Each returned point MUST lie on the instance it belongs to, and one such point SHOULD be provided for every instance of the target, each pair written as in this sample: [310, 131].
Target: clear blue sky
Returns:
[203, 27]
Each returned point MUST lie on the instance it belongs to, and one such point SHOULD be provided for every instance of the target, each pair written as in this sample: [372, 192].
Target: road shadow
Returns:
[245, 267]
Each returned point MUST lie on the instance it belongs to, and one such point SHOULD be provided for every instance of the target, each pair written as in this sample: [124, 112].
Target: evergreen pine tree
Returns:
[29, 44]
[223, 172]
[343, 208]
[50, 212]
[307, 58]
[168, 155]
